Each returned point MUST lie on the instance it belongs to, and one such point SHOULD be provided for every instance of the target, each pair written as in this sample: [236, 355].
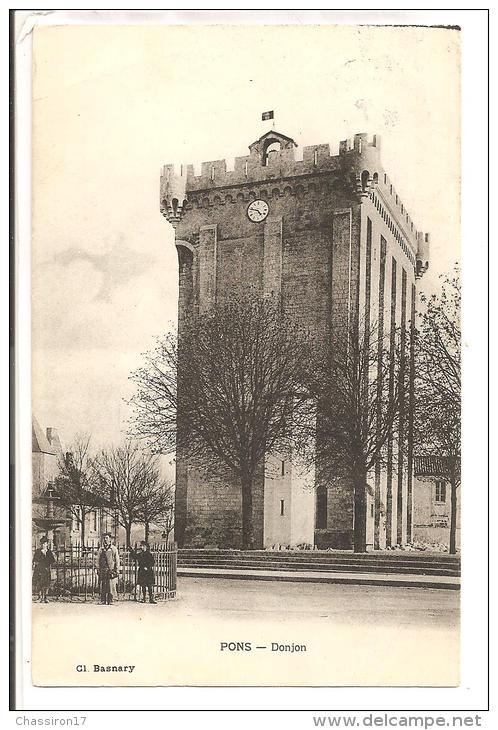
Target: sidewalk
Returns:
[368, 579]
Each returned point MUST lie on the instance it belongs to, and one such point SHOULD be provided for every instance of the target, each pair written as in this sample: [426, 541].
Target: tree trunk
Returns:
[247, 516]
[128, 534]
[453, 518]
[82, 529]
[360, 514]
[147, 528]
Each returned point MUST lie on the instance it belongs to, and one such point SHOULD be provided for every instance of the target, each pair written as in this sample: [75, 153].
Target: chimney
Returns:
[51, 435]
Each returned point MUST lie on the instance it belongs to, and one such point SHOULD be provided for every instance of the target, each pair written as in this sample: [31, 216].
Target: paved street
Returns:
[282, 601]
[338, 603]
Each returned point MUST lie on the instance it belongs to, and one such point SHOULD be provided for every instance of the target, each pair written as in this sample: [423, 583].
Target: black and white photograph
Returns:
[246, 356]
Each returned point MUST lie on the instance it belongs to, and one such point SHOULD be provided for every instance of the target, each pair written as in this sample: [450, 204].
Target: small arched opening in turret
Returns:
[270, 152]
[174, 205]
[376, 177]
[185, 259]
[364, 179]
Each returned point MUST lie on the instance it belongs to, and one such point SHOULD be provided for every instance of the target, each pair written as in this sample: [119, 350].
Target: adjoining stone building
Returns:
[432, 502]
[331, 237]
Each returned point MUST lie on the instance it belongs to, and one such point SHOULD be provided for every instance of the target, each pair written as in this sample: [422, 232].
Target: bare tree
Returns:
[438, 385]
[157, 504]
[227, 392]
[167, 521]
[357, 388]
[125, 475]
[75, 485]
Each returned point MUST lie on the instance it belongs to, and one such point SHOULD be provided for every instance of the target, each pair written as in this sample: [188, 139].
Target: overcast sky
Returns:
[112, 104]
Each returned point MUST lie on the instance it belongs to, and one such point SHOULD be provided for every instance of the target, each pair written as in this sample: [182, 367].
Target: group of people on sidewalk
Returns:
[107, 565]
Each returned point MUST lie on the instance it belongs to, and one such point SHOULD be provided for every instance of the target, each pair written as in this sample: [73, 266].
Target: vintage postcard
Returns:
[246, 355]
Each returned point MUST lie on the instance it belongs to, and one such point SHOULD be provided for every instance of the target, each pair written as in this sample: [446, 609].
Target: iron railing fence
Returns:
[74, 574]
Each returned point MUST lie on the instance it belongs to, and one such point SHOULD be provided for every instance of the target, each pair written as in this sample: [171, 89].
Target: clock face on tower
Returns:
[257, 210]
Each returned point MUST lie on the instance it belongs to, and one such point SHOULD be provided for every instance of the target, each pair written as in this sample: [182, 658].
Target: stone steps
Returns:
[433, 564]
[341, 578]
[330, 568]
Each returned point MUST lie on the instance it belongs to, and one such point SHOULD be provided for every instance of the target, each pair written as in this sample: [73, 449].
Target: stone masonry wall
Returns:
[313, 250]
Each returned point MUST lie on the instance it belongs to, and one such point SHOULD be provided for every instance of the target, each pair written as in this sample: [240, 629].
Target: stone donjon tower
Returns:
[333, 239]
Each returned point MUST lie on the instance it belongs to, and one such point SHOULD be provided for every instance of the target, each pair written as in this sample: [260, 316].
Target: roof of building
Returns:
[39, 441]
[272, 134]
[86, 496]
[430, 466]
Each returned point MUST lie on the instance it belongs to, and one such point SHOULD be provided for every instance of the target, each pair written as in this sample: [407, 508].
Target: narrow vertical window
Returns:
[380, 383]
[315, 158]
[212, 172]
[440, 492]
[368, 279]
[282, 507]
[401, 410]
[283, 468]
[411, 411]
[321, 508]
[390, 445]
[245, 168]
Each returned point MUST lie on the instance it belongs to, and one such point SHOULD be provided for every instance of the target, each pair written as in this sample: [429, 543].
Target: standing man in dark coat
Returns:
[43, 559]
[146, 562]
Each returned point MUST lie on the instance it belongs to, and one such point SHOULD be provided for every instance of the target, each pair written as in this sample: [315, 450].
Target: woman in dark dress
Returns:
[43, 559]
[145, 578]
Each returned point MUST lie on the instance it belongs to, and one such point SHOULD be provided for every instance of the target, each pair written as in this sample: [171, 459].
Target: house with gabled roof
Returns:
[50, 513]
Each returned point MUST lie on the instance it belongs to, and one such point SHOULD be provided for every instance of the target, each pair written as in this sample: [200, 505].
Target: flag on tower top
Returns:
[266, 115]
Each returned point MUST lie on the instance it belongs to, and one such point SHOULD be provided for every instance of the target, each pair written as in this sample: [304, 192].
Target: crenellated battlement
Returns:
[271, 168]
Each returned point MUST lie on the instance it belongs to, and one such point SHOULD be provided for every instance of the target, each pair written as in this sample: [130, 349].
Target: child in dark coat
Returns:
[145, 578]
